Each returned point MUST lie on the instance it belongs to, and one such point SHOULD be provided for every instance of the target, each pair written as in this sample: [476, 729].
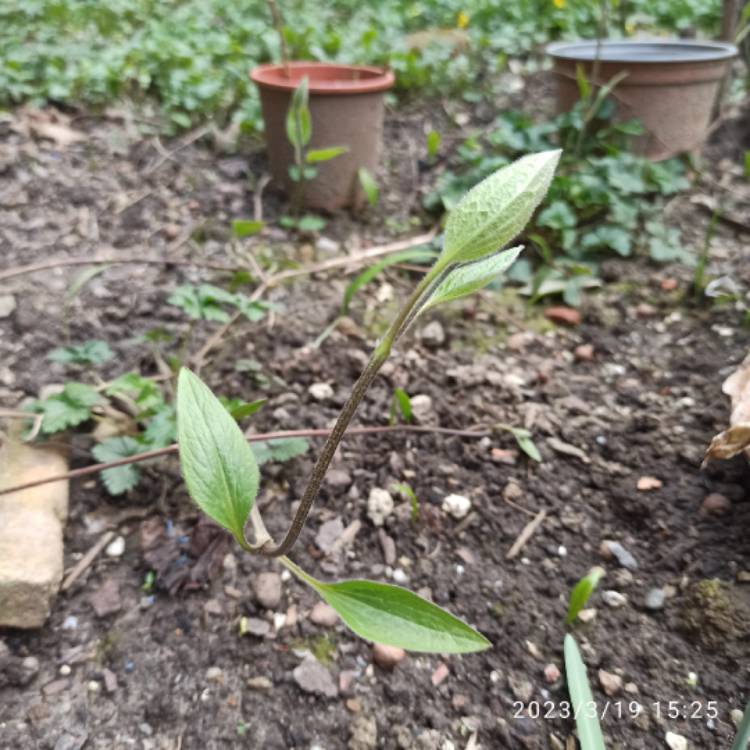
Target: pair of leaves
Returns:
[208, 302]
[221, 474]
[88, 353]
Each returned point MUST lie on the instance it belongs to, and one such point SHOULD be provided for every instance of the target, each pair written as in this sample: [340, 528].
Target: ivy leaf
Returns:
[394, 616]
[89, 353]
[281, 450]
[69, 408]
[582, 592]
[219, 468]
[587, 723]
[119, 479]
[498, 208]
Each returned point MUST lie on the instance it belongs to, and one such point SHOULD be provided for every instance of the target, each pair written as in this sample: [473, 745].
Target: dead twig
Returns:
[37, 418]
[86, 560]
[258, 196]
[251, 438]
[166, 156]
[526, 533]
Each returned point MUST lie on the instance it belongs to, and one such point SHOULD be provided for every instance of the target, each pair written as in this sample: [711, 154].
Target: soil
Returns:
[167, 667]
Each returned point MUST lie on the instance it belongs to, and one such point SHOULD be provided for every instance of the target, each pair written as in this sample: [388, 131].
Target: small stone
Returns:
[321, 391]
[214, 674]
[313, 677]
[353, 705]
[654, 599]
[400, 577]
[631, 688]
[584, 353]
[7, 305]
[668, 285]
[346, 681]
[562, 315]
[716, 504]
[614, 599]
[647, 484]
[457, 506]
[379, 505]
[521, 688]
[422, 408]
[116, 547]
[106, 599]
[110, 680]
[610, 549]
[338, 479]
[611, 683]
[676, 741]
[736, 716]
[388, 546]
[743, 576]
[551, 674]
[387, 657]
[644, 310]
[363, 732]
[267, 587]
[506, 456]
[255, 626]
[328, 533]
[587, 615]
[324, 615]
[432, 335]
[439, 674]
[327, 245]
[259, 683]
[93, 686]
[65, 670]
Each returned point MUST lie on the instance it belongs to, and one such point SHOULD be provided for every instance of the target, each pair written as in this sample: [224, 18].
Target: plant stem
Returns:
[379, 356]
[278, 23]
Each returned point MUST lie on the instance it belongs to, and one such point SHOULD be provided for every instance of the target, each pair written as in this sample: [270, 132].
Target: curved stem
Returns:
[379, 356]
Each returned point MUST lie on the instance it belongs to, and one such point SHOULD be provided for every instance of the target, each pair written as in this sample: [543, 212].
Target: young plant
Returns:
[581, 699]
[221, 471]
[299, 133]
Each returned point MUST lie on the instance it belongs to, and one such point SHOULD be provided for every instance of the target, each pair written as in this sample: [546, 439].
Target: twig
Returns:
[526, 534]
[10, 414]
[253, 438]
[86, 560]
[89, 261]
[191, 138]
[258, 196]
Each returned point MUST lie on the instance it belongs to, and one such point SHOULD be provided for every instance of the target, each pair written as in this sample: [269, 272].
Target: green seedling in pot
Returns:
[221, 472]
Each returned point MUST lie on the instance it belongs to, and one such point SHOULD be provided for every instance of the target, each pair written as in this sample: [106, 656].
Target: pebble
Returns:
[655, 599]
[457, 506]
[647, 484]
[521, 688]
[259, 683]
[551, 674]
[584, 353]
[400, 577]
[7, 305]
[116, 547]
[338, 479]
[321, 391]
[313, 677]
[65, 670]
[267, 587]
[387, 657]
[433, 335]
[214, 674]
[254, 626]
[716, 504]
[324, 615]
[562, 315]
[676, 741]
[421, 407]
[106, 599]
[93, 686]
[610, 549]
[327, 245]
[379, 505]
[363, 732]
[439, 674]
[614, 599]
[388, 546]
[328, 533]
[736, 716]
[611, 683]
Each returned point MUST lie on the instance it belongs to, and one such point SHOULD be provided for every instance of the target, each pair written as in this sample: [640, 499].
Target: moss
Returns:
[322, 647]
[713, 615]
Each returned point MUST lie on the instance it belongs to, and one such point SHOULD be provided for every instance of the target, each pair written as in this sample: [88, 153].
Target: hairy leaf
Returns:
[491, 214]
[584, 708]
[118, 479]
[88, 353]
[395, 616]
[68, 408]
[581, 593]
[280, 450]
[219, 468]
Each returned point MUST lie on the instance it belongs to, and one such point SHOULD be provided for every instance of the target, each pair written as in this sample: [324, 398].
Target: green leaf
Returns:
[742, 740]
[89, 353]
[283, 449]
[219, 468]
[318, 155]
[405, 256]
[69, 408]
[747, 158]
[246, 227]
[433, 144]
[581, 593]
[394, 616]
[406, 491]
[498, 208]
[119, 479]
[467, 278]
[401, 401]
[161, 431]
[298, 122]
[558, 215]
[310, 223]
[367, 181]
[246, 409]
[144, 392]
[527, 445]
[584, 708]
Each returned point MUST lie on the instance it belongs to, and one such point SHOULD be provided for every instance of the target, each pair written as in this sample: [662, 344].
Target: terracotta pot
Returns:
[346, 107]
[670, 86]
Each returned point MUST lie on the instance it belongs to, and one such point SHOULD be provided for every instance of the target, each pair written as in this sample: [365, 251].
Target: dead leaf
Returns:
[736, 439]
[646, 484]
[729, 443]
[62, 135]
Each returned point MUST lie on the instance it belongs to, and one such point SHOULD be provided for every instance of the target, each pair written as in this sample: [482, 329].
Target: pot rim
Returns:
[372, 80]
[644, 51]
